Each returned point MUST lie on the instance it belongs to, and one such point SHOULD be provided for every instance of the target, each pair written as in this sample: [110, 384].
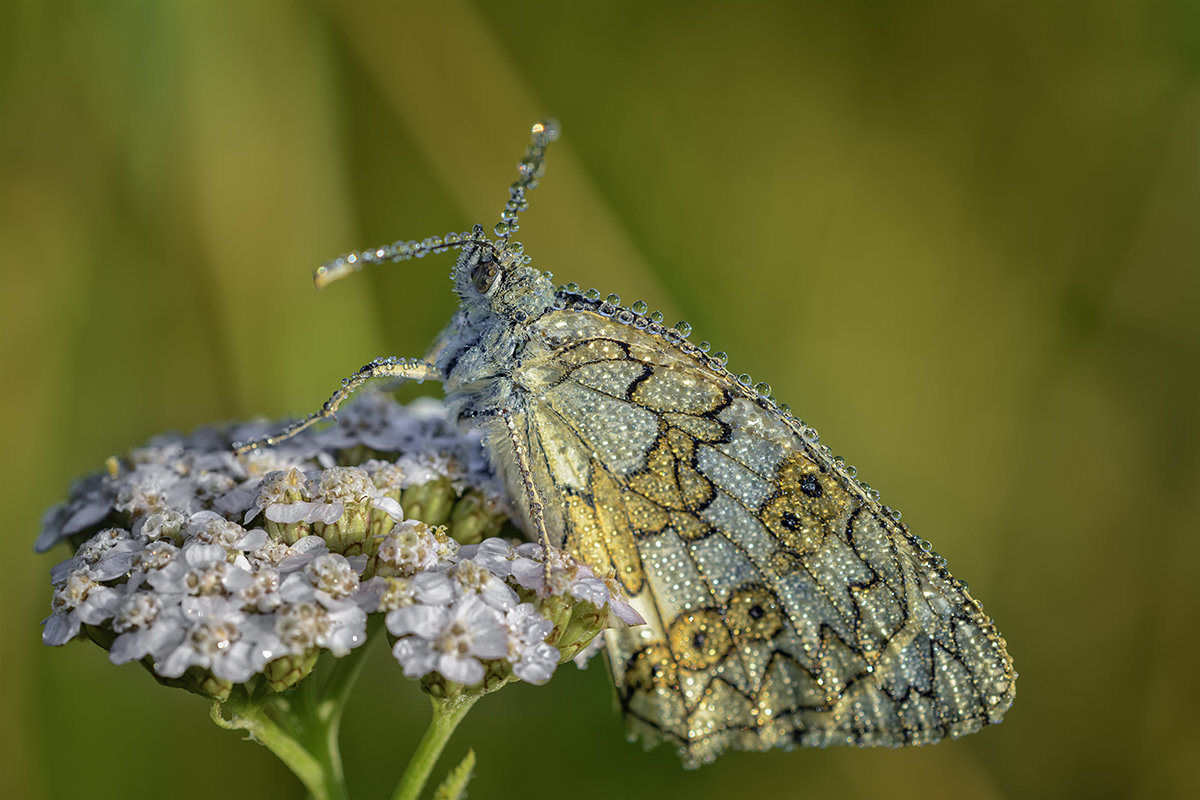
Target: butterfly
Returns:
[784, 603]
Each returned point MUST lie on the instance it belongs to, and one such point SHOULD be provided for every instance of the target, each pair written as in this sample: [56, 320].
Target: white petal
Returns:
[236, 500]
[297, 588]
[101, 604]
[308, 544]
[60, 629]
[128, 647]
[390, 507]
[466, 671]
[592, 590]
[203, 555]
[177, 662]
[329, 513]
[112, 566]
[289, 513]
[499, 594]
[253, 540]
[60, 571]
[345, 639]
[491, 643]
[529, 573]
[623, 611]
[538, 664]
[425, 621]
[415, 655]
[433, 588]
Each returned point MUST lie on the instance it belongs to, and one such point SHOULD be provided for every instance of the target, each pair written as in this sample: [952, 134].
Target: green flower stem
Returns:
[447, 713]
[301, 727]
[321, 777]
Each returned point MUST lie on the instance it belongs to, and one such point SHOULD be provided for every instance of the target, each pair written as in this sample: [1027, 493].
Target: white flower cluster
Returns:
[491, 603]
[200, 472]
[223, 599]
[172, 576]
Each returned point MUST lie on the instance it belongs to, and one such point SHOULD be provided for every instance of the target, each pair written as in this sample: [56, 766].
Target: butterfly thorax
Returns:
[480, 348]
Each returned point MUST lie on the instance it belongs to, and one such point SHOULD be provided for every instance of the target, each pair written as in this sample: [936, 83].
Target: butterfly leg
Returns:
[537, 514]
[388, 367]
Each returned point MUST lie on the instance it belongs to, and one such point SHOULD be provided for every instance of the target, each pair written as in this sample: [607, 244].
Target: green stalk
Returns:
[301, 726]
[447, 713]
[318, 775]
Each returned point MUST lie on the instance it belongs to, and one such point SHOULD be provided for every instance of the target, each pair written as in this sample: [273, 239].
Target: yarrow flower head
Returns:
[215, 571]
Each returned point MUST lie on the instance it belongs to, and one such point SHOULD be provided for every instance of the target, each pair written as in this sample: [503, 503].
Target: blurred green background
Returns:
[961, 238]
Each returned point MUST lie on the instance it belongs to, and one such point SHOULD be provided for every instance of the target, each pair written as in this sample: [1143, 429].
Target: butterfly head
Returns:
[495, 277]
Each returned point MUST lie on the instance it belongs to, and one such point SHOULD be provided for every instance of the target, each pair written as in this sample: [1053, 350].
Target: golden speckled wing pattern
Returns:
[785, 605]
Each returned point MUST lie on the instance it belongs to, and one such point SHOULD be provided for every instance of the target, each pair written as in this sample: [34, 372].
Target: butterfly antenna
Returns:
[340, 267]
[529, 169]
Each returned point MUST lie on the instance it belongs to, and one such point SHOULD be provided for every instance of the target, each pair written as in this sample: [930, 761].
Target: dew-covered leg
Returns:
[537, 514]
[388, 367]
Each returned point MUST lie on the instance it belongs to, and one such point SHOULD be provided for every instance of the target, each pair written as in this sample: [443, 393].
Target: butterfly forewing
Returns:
[784, 605]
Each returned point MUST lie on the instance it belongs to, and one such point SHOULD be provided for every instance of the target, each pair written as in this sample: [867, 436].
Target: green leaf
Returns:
[455, 785]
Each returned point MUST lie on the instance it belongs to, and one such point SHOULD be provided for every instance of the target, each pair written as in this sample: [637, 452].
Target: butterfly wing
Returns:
[784, 604]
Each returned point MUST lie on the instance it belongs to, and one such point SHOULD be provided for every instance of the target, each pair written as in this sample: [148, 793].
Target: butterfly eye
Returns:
[484, 275]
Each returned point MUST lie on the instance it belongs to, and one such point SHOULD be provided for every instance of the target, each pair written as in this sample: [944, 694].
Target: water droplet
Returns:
[501, 228]
[592, 294]
[721, 357]
[704, 346]
[572, 287]
[614, 298]
[685, 330]
[656, 316]
[639, 307]
[744, 379]
[763, 388]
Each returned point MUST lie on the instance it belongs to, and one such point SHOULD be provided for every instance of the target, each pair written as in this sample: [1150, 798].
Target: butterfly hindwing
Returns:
[784, 604]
